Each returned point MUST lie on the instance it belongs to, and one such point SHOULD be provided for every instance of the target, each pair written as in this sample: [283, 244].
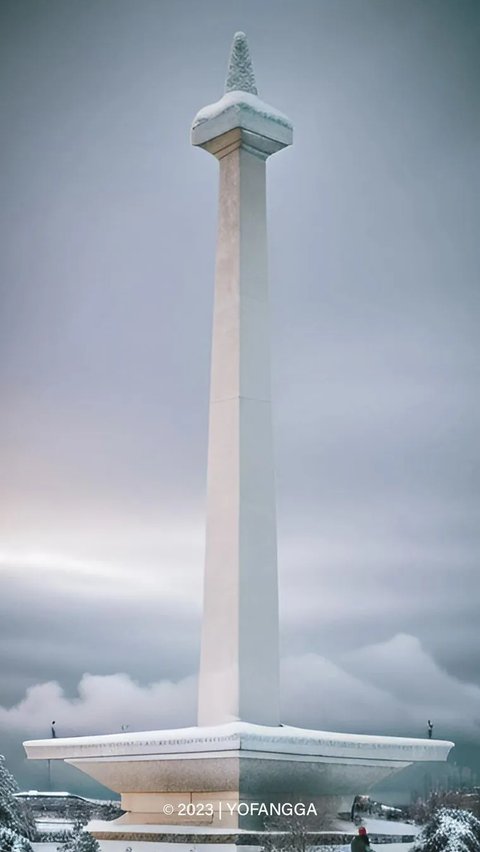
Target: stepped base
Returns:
[222, 839]
[236, 776]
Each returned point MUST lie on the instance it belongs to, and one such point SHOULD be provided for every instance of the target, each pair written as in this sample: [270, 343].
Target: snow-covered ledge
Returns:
[241, 736]
[244, 110]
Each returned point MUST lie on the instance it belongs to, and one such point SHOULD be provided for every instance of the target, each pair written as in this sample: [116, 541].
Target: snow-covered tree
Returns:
[10, 841]
[450, 830]
[294, 833]
[14, 815]
[80, 841]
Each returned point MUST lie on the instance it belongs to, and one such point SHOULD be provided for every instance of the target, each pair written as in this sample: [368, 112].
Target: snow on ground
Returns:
[143, 846]
[47, 826]
[395, 847]
[45, 847]
[373, 826]
[385, 847]
[383, 826]
[391, 826]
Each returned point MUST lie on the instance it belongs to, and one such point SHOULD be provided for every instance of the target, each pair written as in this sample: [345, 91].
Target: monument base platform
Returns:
[236, 776]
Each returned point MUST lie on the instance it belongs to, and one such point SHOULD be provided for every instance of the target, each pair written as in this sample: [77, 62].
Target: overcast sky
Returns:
[108, 225]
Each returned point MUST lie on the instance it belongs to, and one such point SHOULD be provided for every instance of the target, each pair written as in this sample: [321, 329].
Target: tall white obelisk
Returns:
[237, 753]
[239, 669]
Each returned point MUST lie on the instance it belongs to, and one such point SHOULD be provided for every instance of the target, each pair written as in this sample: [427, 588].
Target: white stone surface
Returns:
[239, 669]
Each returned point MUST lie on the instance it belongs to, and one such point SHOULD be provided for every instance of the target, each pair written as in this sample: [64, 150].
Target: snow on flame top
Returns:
[240, 77]
[240, 106]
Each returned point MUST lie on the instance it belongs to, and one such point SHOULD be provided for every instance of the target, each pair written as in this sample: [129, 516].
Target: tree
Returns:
[10, 841]
[450, 830]
[14, 815]
[422, 810]
[294, 833]
[80, 841]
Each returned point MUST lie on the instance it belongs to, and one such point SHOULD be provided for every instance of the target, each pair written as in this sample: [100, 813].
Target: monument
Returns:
[239, 669]
[195, 783]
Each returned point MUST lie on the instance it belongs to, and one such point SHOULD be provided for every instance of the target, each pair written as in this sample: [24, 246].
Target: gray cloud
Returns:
[391, 686]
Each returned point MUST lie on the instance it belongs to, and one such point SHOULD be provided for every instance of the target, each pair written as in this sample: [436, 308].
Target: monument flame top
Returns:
[240, 77]
[240, 107]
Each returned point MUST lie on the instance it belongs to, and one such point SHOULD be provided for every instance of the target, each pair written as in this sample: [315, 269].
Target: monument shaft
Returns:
[239, 670]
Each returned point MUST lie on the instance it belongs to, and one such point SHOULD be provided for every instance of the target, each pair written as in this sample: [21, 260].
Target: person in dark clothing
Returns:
[360, 842]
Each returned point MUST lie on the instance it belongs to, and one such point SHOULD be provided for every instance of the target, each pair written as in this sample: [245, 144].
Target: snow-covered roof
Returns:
[52, 794]
[40, 793]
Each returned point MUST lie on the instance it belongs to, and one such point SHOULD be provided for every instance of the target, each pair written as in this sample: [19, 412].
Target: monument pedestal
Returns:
[236, 776]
